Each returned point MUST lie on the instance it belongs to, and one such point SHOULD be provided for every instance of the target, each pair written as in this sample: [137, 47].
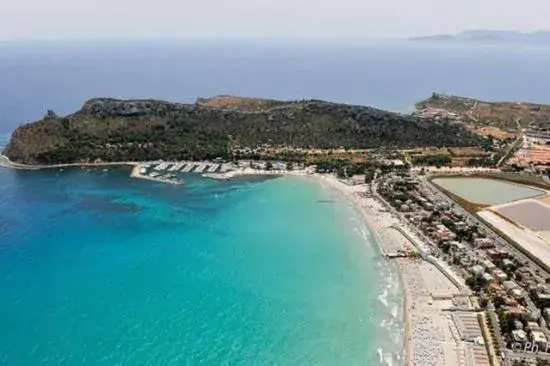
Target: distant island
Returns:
[538, 38]
[225, 127]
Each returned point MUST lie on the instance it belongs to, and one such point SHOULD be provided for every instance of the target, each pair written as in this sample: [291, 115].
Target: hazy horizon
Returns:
[246, 38]
[324, 19]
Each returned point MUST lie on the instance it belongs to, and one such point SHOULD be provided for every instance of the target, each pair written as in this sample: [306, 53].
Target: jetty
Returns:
[140, 172]
[212, 168]
[201, 168]
[188, 168]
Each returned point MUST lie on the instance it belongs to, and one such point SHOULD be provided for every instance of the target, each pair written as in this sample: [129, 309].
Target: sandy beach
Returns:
[434, 306]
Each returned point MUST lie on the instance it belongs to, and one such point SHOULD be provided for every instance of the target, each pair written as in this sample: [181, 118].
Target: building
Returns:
[488, 277]
[497, 254]
[499, 275]
[488, 265]
[538, 338]
[509, 285]
[477, 270]
[542, 299]
[519, 336]
[483, 243]
[507, 263]
[532, 326]
[443, 233]
[517, 293]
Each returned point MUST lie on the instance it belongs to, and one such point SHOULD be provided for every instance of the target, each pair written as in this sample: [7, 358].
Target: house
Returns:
[509, 285]
[519, 336]
[443, 233]
[488, 265]
[532, 326]
[497, 253]
[507, 263]
[538, 338]
[542, 299]
[477, 270]
[488, 278]
[499, 275]
[483, 243]
[517, 293]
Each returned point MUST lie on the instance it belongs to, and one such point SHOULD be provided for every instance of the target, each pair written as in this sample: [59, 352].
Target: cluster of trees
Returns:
[258, 154]
[481, 162]
[345, 168]
[436, 160]
[507, 320]
[476, 283]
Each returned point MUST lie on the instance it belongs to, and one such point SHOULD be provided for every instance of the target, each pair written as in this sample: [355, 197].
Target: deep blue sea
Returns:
[100, 269]
[38, 76]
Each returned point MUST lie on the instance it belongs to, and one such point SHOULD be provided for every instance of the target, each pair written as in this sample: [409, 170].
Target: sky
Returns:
[99, 19]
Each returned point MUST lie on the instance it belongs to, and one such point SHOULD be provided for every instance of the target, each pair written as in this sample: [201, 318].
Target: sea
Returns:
[97, 268]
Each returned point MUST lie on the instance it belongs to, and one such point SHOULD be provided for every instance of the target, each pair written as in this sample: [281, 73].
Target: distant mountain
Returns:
[539, 38]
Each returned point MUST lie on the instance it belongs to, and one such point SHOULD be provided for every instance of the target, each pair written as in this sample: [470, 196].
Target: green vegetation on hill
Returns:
[115, 130]
[504, 115]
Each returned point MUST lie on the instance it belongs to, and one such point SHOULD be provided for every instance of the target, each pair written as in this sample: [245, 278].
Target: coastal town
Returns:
[474, 296]
[467, 228]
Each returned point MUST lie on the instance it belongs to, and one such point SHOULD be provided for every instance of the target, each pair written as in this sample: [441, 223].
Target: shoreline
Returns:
[351, 194]
[435, 303]
[6, 163]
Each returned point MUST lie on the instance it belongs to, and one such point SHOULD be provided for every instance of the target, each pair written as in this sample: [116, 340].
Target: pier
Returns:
[212, 168]
[201, 168]
[188, 168]
[140, 172]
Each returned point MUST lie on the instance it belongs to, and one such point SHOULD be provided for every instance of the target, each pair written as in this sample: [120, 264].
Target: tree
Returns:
[369, 175]
[268, 165]
[289, 166]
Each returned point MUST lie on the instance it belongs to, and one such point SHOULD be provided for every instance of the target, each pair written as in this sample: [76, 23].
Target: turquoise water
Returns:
[487, 191]
[100, 269]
